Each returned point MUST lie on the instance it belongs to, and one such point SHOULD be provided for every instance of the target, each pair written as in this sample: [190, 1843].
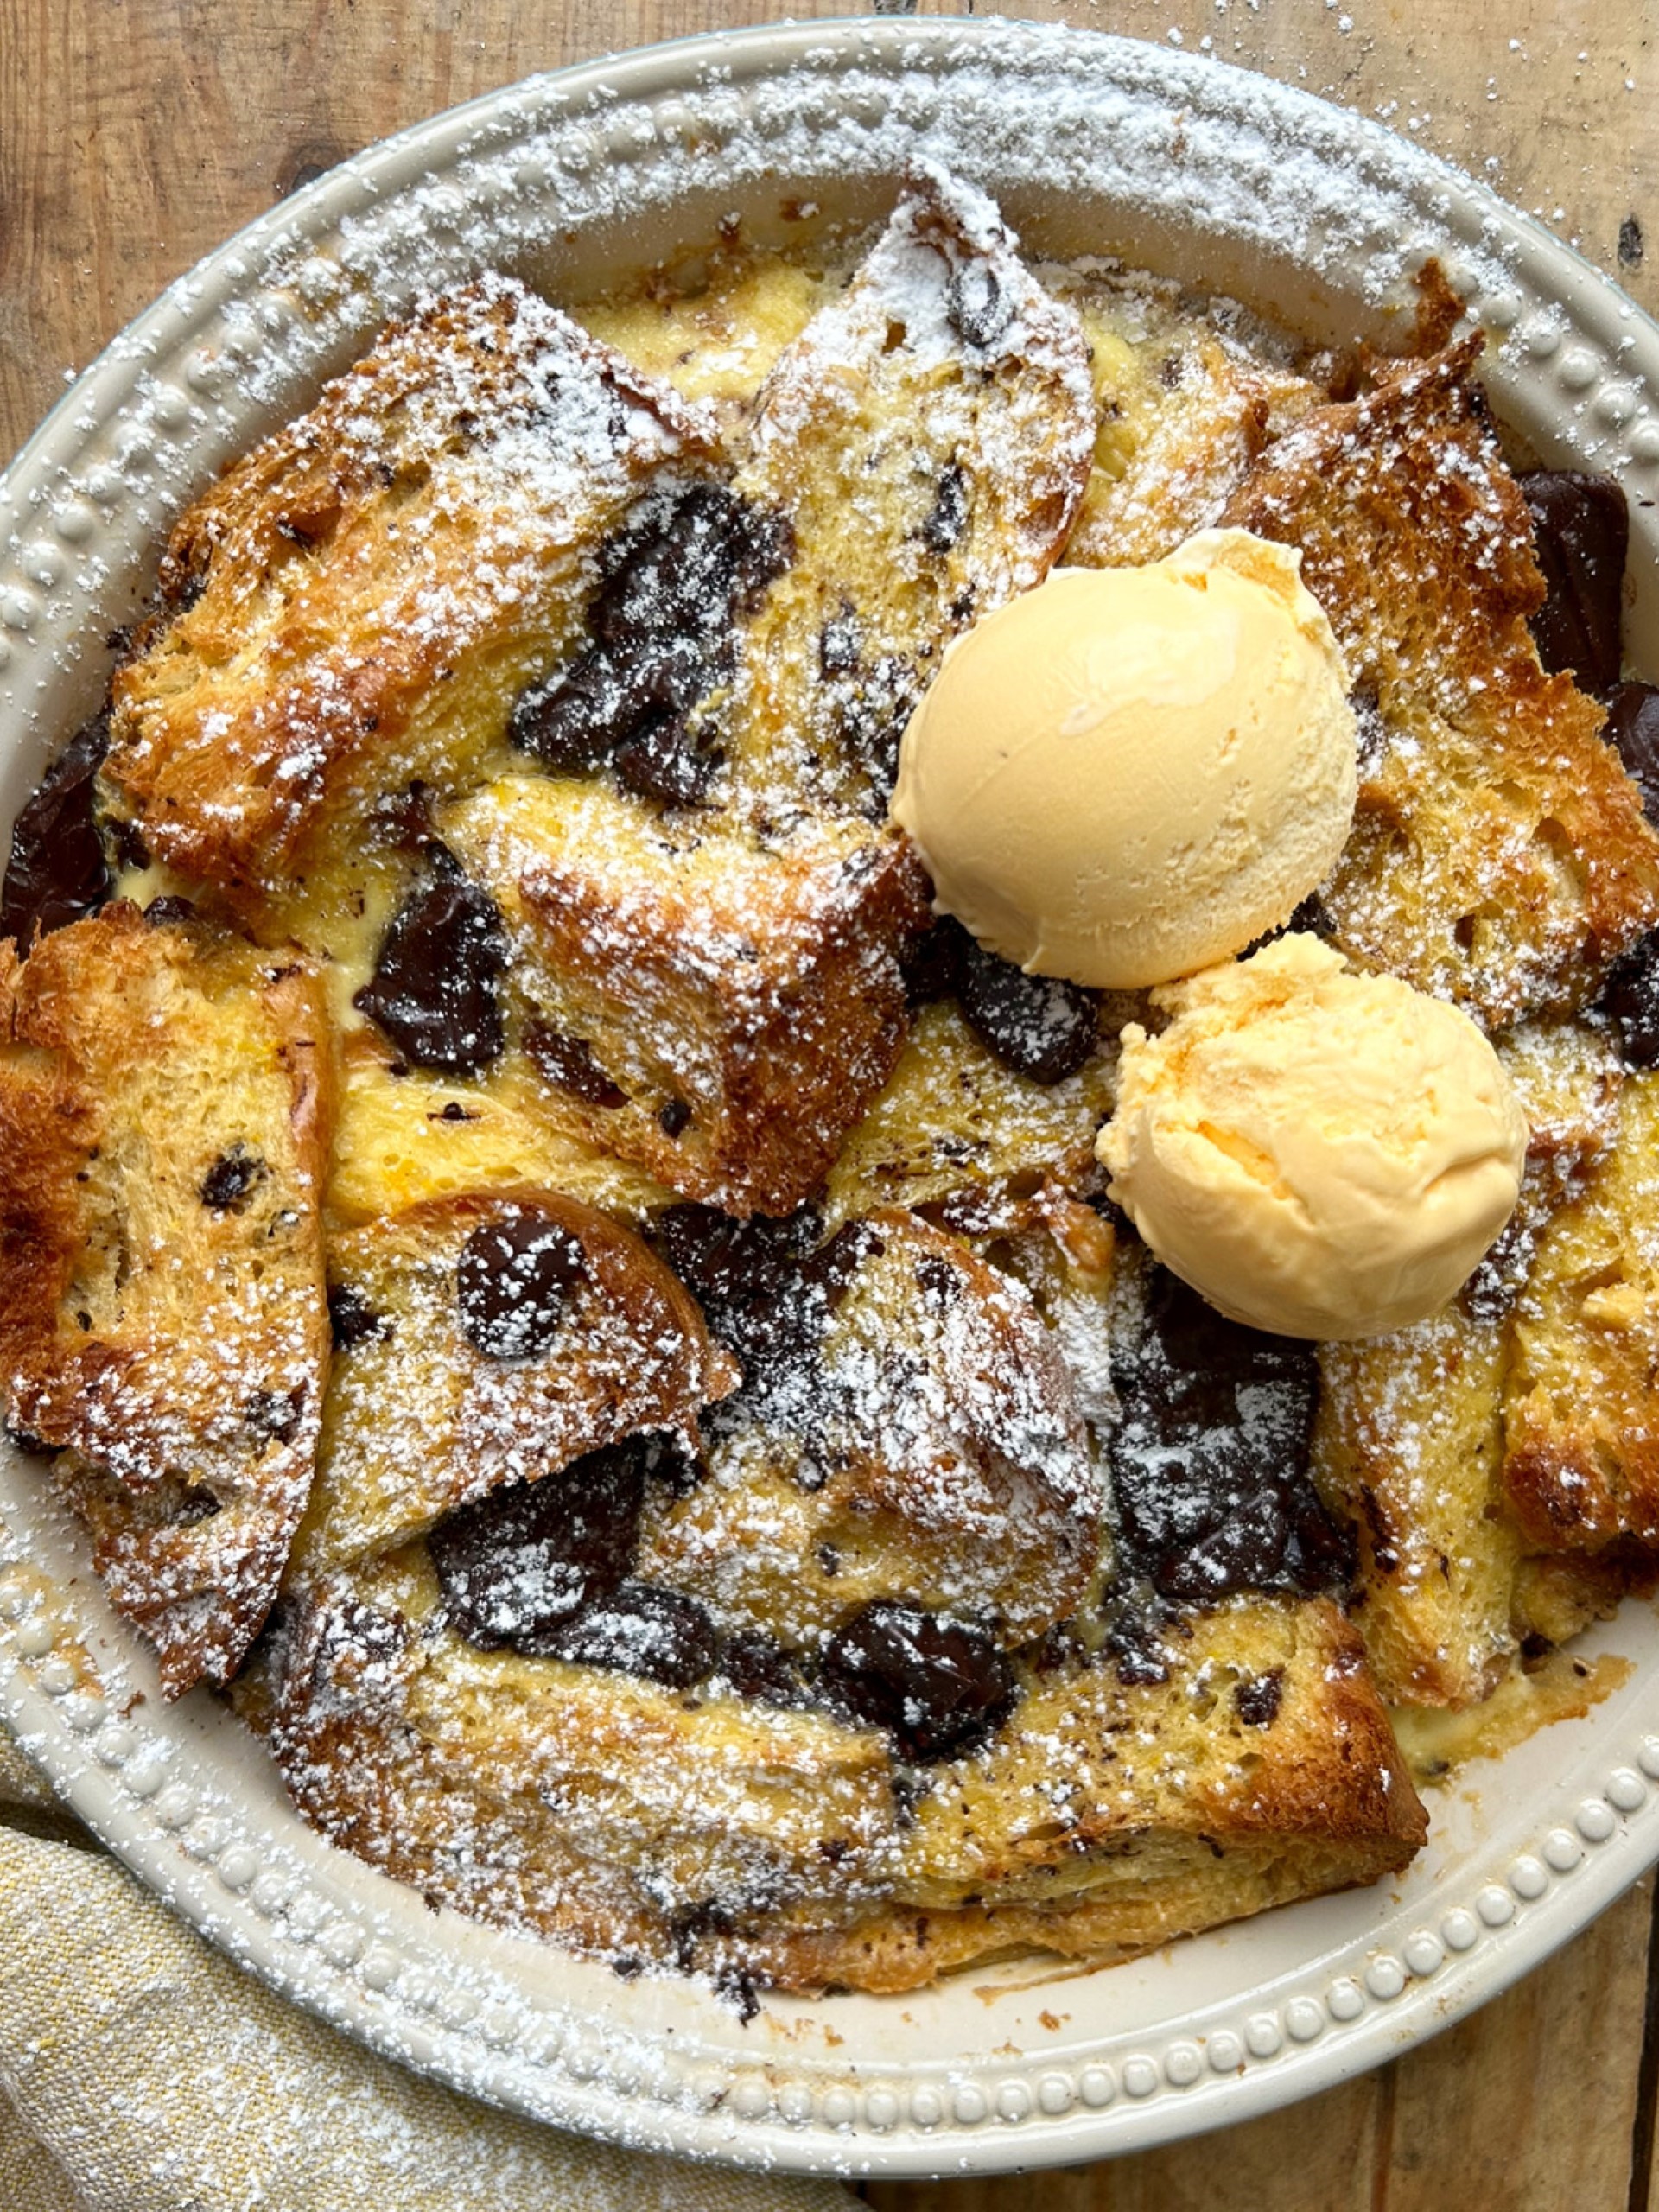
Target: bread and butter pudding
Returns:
[551, 1272]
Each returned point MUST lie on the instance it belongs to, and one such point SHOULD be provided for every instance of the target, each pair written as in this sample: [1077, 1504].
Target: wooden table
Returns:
[137, 134]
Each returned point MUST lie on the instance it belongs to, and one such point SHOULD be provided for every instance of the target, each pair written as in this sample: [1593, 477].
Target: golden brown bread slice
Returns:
[955, 1125]
[1499, 855]
[1409, 1444]
[928, 436]
[1183, 416]
[165, 1105]
[403, 1138]
[729, 1834]
[927, 1447]
[742, 994]
[419, 1420]
[357, 603]
[1581, 1405]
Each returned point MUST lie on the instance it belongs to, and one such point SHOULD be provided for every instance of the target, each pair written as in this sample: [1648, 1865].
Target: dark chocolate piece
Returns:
[1209, 1458]
[1633, 729]
[1630, 999]
[976, 303]
[58, 872]
[940, 1688]
[949, 516]
[756, 1667]
[1036, 1025]
[352, 1319]
[567, 1063]
[512, 1281]
[665, 762]
[1581, 533]
[433, 987]
[664, 625]
[519, 1563]
[225, 1185]
[641, 1629]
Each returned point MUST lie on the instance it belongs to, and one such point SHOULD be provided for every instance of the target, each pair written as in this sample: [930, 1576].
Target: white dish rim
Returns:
[163, 1787]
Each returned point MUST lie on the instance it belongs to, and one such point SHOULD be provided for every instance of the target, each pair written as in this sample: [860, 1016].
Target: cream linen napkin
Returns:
[141, 2072]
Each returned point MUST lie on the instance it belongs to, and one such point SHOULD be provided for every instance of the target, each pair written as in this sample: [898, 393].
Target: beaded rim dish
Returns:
[1179, 163]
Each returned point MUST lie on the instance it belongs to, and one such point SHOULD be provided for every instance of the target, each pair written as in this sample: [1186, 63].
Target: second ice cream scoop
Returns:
[1320, 1153]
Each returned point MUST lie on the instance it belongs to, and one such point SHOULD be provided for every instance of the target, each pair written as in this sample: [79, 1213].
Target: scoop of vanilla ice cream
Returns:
[1320, 1153]
[1129, 773]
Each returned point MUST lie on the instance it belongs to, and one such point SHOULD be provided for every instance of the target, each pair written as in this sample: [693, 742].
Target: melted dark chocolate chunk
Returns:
[275, 1413]
[672, 1116]
[640, 1630]
[756, 1667]
[518, 1564]
[949, 516]
[664, 623]
[1256, 1699]
[1035, 1025]
[1633, 729]
[352, 1319]
[665, 762]
[765, 1299]
[731, 1265]
[1581, 533]
[1630, 999]
[433, 987]
[939, 1688]
[976, 303]
[710, 560]
[567, 1063]
[126, 843]
[225, 1185]
[402, 820]
[170, 910]
[930, 962]
[1209, 1458]
[58, 872]
[573, 721]
[871, 719]
[512, 1281]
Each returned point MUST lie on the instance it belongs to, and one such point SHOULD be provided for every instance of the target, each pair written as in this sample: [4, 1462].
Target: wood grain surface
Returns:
[135, 135]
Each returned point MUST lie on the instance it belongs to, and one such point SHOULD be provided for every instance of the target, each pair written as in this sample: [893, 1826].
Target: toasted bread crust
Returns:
[745, 996]
[1581, 1405]
[698, 1837]
[166, 1096]
[1499, 856]
[356, 604]
[419, 1421]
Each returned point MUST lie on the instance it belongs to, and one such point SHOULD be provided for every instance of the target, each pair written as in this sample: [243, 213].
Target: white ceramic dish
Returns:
[1090, 143]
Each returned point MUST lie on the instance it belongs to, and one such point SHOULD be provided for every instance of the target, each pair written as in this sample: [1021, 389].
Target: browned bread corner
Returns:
[740, 997]
[1499, 855]
[428, 1409]
[357, 603]
[928, 437]
[165, 1096]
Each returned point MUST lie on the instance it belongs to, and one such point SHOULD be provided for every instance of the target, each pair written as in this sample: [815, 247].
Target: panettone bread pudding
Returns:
[543, 1262]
